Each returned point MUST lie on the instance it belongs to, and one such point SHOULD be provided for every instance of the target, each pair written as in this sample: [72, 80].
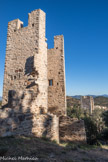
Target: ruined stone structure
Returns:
[56, 72]
[87, 103]
[71, 129]
[34, 81]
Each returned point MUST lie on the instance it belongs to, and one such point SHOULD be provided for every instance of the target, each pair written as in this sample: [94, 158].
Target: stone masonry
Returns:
[71, 129]
[87, 103]
[56, 93]
[34, 81]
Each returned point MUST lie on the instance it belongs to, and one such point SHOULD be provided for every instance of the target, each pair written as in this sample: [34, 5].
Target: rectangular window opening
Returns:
[21, 25]
[51, 82]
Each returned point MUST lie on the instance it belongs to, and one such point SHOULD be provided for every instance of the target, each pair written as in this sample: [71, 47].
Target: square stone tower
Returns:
[87, 103]
[34, 75]
[25, 78]
[56, 78]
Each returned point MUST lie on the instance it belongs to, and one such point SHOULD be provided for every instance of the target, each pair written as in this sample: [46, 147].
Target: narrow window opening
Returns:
[42, 111]
[51, 82]
[32, 25]
[19, 76]
[14, 77]
[21, 25]
[20, 70]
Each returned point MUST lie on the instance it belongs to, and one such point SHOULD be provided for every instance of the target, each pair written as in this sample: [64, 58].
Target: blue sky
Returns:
[84, 24]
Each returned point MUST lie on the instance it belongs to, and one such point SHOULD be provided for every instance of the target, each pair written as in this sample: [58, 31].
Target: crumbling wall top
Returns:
[33, 19]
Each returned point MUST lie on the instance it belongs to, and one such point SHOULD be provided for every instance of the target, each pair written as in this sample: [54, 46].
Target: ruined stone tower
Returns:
[56, 75]
[87, 103]
[34, 97]
[31, 70]
[25, 78]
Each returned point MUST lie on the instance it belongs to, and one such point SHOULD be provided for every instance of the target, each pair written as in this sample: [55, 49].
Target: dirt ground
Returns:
[42, 150]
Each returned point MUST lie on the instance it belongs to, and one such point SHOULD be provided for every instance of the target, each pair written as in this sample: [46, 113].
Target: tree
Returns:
[0, 103]
[75, 112]
[91, 130]
[105, 118]
[98, 119]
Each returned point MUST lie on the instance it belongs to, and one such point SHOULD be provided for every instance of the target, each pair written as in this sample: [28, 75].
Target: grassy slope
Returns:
[46, 151]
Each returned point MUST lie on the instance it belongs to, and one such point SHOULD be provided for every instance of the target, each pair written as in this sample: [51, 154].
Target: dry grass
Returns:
[48, 151]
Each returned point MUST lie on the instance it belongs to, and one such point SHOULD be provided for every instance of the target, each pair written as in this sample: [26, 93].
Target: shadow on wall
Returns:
[47, 126]
[15, 119]
[29, 65]
[20, 118]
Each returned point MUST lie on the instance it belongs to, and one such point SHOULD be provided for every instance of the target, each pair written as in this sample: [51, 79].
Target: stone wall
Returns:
[56, 73]
[72, 130]
[25, 91]
[14, 122]
[26, 63]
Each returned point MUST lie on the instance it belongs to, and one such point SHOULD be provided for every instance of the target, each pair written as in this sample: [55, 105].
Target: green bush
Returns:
[94, 123]
[91, 130]
[75, 112]
[104, 135]
[105, 117]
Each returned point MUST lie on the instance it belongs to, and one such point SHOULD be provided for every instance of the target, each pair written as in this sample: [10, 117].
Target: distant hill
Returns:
[0, 98]
[72, 101]
[94, 96]
[105, 95]
[99, 100]
[76, 96]
[79, 96]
